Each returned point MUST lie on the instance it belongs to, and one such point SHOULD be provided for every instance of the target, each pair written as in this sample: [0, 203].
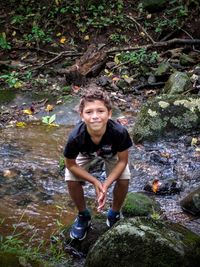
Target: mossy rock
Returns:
[138, 204]
[97, 229]
[178, 83]
[191, 203]
[167, 116]
[139, 241]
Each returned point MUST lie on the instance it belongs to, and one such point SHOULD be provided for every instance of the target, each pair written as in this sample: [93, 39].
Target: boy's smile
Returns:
[95, 115]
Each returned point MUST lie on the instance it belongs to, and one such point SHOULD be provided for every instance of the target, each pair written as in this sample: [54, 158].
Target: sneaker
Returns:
[113, 217]
[80, 227]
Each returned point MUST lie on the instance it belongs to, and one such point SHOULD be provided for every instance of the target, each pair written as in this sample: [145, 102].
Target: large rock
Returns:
[167, 115]
[145, 242]
[191, 203]
[178, 82]
[138, 204]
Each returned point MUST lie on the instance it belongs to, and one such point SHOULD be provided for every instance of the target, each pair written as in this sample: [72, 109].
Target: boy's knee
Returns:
[122, 183]
[73, 184]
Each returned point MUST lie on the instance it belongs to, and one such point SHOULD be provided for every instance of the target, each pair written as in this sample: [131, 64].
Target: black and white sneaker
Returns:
[112, 218]
[80, 227]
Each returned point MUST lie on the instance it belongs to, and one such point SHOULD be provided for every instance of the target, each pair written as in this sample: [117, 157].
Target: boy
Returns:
[96, 136]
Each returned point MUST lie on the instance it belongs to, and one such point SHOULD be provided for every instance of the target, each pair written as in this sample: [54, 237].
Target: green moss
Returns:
[137, 204]
[185, 121]
[166, 114]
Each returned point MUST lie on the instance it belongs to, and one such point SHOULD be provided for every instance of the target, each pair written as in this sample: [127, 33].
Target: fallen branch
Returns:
[142, 86]
[142, 28]
[56, 58]
[155, 45]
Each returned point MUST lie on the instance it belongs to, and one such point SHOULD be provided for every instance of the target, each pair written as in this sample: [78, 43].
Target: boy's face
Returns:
[95, 115]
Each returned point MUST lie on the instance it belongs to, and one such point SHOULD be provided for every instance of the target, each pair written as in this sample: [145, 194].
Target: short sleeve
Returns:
[71, 150]
[124, 140]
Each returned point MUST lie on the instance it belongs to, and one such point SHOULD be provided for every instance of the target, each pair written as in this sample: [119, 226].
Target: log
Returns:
[89, 65]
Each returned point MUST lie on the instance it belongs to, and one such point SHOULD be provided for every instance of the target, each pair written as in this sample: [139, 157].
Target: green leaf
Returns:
[52, 118]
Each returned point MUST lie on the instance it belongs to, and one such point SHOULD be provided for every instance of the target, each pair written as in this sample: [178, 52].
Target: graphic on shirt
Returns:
[105, 152]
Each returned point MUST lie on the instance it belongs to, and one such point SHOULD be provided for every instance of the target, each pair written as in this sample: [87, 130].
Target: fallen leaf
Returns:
[115, 79]
[21, 124]
[18, 85]
[87, 38]
[165, 155]
[63, 39]
[49, 108]
[59, 102]
[28, 111]
[197, 149]
[194, 141]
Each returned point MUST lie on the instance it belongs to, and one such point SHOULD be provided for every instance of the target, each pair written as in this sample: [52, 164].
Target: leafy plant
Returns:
[17, 19]
[162, 24]
[138, 57]
[4, 44]
[12, 79]
[118, 38]
[49, 120]
[37, 35]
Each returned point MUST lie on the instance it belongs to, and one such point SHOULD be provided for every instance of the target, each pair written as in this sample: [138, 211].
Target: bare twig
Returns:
[155, 45]
[142, 28]
[56, 58]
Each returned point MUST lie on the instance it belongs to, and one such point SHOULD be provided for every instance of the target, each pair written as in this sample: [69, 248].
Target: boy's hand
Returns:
[101, 201]
[98, 188]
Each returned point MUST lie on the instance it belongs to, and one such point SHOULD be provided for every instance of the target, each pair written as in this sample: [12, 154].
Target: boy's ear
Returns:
[81, 116]
[110, 114]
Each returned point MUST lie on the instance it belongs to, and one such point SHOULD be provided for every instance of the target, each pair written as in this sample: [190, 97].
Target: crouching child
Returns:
[96, 135]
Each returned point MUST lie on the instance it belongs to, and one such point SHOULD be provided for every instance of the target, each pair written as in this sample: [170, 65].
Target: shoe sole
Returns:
[72, 237]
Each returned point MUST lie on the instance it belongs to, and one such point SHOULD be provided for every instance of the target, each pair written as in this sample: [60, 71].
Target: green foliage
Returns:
[118, 38]
[12, 79]
[4, 44]
[49, 119]
[38, 35]
[138, 57]
[61, 163]
[18, 19]
[163, 24]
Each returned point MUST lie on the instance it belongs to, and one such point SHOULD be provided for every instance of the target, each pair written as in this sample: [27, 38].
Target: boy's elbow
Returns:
[69, 163]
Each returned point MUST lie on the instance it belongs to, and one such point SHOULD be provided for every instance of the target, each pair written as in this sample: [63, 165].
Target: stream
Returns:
[33, 194]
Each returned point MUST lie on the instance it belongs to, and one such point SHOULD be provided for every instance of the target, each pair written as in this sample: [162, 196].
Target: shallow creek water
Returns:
[33, 194]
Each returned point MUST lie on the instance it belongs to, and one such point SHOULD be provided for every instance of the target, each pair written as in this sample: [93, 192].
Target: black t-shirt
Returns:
[115, 139]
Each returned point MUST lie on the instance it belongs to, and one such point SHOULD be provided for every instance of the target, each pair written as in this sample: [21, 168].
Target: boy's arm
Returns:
[118, 169]
[73, 167]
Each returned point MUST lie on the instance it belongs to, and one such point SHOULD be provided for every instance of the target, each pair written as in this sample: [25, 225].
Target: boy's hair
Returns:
[95, 94]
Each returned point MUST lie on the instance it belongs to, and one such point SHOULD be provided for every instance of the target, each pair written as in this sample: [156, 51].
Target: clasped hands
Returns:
[101, 192]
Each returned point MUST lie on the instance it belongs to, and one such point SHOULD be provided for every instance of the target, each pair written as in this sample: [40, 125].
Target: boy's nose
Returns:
[94, 115]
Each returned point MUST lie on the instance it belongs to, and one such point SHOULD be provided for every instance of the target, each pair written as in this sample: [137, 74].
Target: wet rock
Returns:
[178, 82]
[138, 204]
[191, 203]
[163, 68]
[80, 248]
[159, 187]
[187, 60]
[103, 80]
[167, 116]
[145, 242]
